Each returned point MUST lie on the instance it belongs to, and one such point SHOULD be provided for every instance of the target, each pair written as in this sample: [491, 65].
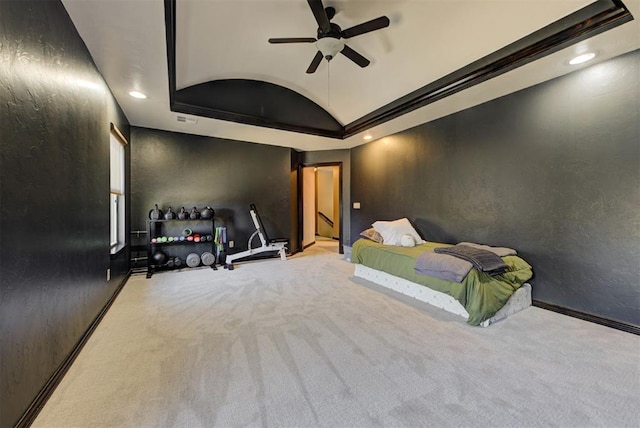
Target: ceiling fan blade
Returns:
[355, 56]
[321, 16]
[374, 24]
[315, 63]
[292, 40]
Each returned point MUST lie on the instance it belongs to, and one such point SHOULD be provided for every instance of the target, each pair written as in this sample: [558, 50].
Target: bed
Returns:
[480, 298]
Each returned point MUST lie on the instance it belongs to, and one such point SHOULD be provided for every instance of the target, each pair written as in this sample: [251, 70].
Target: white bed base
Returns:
[519, 300]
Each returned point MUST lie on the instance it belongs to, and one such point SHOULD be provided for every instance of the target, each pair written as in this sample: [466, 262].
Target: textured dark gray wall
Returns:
[54, 186]
[172, 169]
[344, 156]
[553, 171]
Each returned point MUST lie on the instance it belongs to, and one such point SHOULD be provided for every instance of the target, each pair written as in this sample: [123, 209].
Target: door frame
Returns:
[301, 202]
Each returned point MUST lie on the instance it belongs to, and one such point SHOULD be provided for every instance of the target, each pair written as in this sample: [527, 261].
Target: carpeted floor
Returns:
[302, 343]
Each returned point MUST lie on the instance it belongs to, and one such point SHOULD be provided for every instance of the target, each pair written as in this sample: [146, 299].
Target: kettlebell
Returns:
[195, 214]
[156, 213]
[183, 214]
[207, 213]
[169, 215]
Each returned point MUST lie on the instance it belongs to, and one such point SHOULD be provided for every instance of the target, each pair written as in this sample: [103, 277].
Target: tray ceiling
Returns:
[226, 41]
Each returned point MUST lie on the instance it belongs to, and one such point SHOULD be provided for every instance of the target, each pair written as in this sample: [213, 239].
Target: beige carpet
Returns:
[301, 343]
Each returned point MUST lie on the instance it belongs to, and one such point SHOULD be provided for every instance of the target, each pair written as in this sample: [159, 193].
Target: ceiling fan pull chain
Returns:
[329, 83]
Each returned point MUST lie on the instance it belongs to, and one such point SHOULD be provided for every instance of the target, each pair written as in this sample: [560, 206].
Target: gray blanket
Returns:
[483, 260]
[500, 251]
[442, 266]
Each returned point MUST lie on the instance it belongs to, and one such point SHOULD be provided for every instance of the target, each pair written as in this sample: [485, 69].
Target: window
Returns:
[116, 195]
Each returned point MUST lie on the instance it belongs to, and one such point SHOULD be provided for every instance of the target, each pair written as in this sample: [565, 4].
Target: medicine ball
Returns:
[159, 258]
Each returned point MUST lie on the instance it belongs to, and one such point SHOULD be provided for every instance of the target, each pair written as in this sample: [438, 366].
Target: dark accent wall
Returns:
[344, 156]
[55, 114]
[173, 169]
[552, 170]
[294, 234]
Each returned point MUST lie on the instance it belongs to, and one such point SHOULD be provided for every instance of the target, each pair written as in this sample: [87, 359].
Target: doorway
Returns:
[321, 205]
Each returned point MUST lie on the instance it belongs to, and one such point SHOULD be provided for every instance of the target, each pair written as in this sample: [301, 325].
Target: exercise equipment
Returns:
[155, 213]
[183, 214]
[195, 214]
[267, 245]
[193, 260]
[207, 213]
[159, 258]
[169, 215]
[207, 258]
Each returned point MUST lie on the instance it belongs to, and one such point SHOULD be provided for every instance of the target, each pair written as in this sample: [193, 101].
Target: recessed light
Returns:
[582, 58]
[367, 137]
[136, 94]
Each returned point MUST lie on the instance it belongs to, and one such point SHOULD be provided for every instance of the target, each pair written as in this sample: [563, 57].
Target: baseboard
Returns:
[293, 252]
[308, 245]
[618, 325]
[41, 399]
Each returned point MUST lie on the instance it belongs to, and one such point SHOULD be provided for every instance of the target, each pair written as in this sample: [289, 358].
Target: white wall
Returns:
[308, 206]
[325, 200]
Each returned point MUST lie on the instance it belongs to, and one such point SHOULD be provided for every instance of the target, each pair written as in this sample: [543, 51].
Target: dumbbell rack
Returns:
[181, 249]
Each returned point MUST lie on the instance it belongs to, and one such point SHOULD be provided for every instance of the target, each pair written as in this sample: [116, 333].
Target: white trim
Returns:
[518, 301]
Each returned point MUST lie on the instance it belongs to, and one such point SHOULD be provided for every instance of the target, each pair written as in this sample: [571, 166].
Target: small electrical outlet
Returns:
[231, 244]
[356, 205]
[108, 274]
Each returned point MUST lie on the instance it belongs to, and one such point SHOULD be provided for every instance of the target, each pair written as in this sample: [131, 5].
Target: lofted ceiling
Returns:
[212, 61]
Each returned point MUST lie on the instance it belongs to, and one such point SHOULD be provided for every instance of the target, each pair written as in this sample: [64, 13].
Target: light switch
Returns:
[356, 205]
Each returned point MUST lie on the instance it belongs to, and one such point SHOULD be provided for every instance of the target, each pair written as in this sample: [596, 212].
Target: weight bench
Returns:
[268, 245]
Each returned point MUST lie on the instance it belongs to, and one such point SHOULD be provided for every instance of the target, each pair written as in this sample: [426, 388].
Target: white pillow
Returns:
[392, 231]
[407, 241]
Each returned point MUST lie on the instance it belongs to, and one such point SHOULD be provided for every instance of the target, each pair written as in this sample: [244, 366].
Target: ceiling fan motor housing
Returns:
[335, 32]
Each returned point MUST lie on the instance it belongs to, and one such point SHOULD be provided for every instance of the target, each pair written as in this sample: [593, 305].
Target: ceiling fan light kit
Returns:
[330, 35]
[329, 47]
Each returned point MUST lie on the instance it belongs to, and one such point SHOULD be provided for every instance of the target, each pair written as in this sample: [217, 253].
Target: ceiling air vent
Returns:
[189, 120]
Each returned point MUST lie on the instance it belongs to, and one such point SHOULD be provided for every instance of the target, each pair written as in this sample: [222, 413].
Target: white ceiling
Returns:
[221, 39]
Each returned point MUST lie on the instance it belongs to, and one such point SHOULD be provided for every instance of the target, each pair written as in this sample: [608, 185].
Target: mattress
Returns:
[479, 294]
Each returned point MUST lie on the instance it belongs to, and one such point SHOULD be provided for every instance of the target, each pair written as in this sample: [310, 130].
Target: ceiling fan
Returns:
[329, 41]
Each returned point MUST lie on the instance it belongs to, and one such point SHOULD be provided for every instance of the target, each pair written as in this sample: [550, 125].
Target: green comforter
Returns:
[480, 294]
